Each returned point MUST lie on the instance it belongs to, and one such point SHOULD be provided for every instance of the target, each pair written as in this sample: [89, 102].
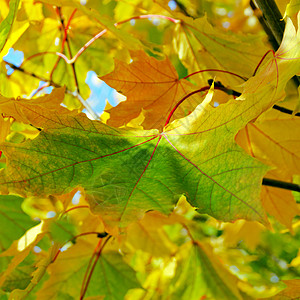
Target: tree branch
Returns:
[221, 87]
[274, 25]
[273, 19]
[281, 184]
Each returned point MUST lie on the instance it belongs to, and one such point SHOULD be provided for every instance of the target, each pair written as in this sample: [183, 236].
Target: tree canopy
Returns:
[186, 185]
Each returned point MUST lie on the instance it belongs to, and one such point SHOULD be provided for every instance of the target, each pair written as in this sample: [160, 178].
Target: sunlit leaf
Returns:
[68, 271]
[124, 201]
[292, 291]
[154, 92]
[133, 207]
[200, 275]
[201, 46]
[13, 222]
[18, 279]
[6, 24]
[33, 110]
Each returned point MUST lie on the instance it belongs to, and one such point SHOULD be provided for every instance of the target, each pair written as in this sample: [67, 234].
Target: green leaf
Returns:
[18, 279]
[112, 270]
[199, 273]
[61, 231]
[111, 277]
[6, 24]
[127, 172]
[152, 172]
[13, 221]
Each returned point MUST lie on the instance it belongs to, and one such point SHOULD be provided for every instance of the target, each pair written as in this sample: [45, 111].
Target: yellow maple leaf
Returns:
[35, 110]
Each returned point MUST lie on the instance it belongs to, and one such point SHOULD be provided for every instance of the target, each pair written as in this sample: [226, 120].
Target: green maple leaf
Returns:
[111, 278]
[199, 273]
[126, 172]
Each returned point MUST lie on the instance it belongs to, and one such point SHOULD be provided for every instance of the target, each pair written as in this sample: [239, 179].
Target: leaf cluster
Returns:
[183, 190]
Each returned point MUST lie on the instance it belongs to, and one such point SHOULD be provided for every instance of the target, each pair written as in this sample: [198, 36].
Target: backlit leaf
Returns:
[201, 275]
[133, 207]
[201, 177]
[6, 24]
[143, 153]
[201, 46]
[154, 92]
[33, 110]
[112, 277]
[13, 221]
[292, 291]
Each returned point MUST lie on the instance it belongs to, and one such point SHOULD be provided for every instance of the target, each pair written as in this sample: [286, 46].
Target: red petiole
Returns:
[74, 238]
[216, 70]
[97, 253]
[205, 88]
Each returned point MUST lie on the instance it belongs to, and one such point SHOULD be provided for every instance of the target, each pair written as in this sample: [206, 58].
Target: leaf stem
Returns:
[87, 272]
[65, 41]
[281, 184]
[216, 70]
[75, 237]
[262, 59]
[205, 88]
[75, 207]
[93, 267]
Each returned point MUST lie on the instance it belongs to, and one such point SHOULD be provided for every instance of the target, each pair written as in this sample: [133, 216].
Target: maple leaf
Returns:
[112, 187]
[273, 133]
[69, 269]
[152, 238]
[34, 110]
[70, 153]
[207, 269]
[199, 45]
[291, 291]
[273, 140]
[13, 219]
[190, 159]
[152, 87]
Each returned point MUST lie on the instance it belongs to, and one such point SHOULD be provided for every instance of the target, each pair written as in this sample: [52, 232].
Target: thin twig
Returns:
[66, 41]
[219, 86]
[85, 104]
[96, 37]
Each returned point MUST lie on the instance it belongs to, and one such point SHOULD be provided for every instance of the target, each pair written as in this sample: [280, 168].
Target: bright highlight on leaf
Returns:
[188, 189]
[153, 93]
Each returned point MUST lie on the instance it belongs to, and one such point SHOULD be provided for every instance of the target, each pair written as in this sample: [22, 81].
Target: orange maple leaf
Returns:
[152, 87]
